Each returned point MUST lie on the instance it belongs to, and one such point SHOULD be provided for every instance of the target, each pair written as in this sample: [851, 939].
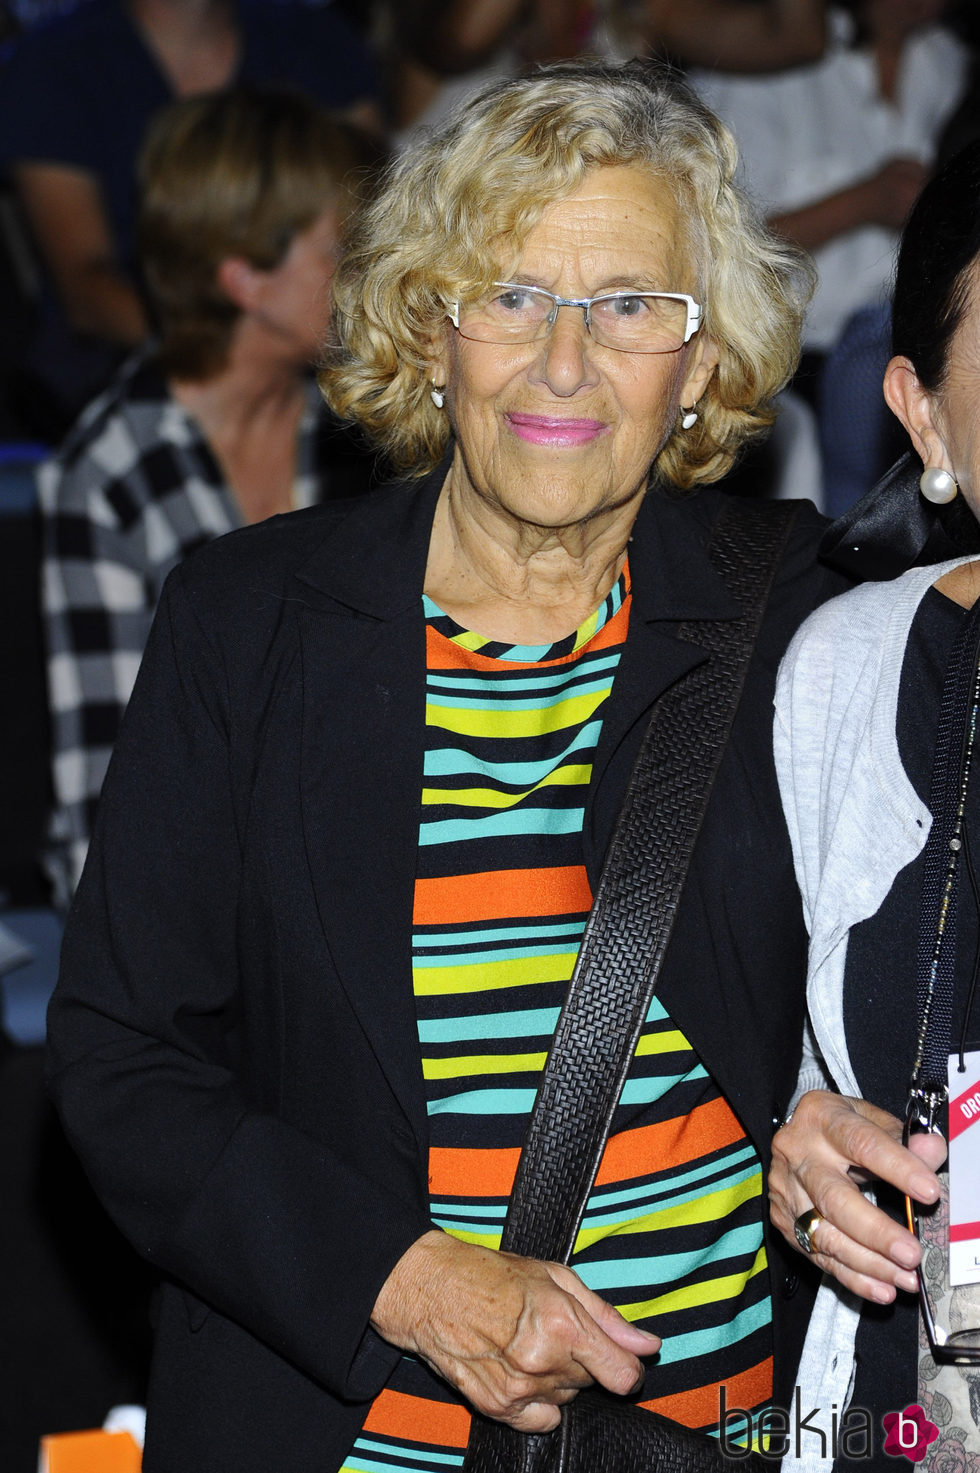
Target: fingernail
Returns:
[905, 1253]
[882, 1293]
[909, 1282]
[925, 1189]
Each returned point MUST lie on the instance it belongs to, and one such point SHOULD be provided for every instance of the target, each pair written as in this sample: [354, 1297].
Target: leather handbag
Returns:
[608, 998]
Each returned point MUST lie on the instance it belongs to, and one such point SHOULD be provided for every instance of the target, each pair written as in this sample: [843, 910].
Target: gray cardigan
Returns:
[855, 820]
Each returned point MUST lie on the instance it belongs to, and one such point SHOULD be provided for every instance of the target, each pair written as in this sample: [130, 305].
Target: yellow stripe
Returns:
[467, 640]
[671, 1042]
[566, 777]
[482, 1064]
[482, 1240]
[504, 723]
[587, 630]
[711, 1292]
[489, 976]
[711, 1208]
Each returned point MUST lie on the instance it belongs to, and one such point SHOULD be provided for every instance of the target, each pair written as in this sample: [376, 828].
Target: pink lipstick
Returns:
[544, 429]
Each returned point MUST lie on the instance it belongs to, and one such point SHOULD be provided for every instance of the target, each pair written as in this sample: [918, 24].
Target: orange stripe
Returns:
[441, 653]
[670, 1143]
[472, 1173]
[503, 893]
[700, 1407]
[415, 1419]
[489, 1173]
[612, 633]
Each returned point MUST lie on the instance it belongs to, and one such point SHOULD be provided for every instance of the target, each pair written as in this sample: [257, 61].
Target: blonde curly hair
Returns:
[455, 210]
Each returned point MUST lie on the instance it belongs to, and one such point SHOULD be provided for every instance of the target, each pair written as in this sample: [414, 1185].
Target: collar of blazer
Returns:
[373, 562]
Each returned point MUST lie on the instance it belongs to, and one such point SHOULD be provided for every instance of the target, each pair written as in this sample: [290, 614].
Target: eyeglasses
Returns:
[931, 1227]
[630, 322]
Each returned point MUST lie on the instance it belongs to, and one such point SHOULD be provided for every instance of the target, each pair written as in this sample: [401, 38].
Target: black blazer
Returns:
[232, 1040]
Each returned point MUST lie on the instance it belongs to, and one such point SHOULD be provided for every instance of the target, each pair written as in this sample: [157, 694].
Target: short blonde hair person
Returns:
[456, 208]
[233, 173]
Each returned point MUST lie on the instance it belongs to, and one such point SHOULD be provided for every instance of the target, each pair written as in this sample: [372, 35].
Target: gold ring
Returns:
[805, 1226]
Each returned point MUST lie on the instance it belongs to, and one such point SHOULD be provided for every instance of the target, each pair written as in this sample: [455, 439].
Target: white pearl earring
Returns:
[937, 486]
[689, 417]
[437, 396]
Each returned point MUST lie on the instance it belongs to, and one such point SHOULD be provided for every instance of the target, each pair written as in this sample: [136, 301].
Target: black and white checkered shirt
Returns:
[134, 489]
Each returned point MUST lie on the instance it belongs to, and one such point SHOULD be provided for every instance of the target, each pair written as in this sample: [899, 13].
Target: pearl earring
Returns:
[937, 486]
[437, 396]
[689, 417]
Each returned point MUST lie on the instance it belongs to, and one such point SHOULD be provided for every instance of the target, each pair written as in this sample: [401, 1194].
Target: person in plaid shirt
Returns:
[243, 202]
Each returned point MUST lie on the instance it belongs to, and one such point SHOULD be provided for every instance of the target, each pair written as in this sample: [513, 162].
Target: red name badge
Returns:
[964, 1169]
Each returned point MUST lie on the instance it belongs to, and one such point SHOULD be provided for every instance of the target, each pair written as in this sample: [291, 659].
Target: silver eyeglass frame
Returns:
[695, 313]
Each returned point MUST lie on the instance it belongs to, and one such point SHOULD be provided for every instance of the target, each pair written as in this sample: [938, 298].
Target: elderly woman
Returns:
[858, 742]
[244, 196]
[360, 805]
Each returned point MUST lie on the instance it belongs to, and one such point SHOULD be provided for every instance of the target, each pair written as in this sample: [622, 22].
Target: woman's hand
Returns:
[518, 1338]
[830, 1145]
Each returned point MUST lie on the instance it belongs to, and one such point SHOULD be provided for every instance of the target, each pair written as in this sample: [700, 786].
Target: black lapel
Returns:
[672, 579]
[363, 650]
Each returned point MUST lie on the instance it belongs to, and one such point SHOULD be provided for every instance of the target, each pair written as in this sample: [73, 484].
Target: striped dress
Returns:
[672, 1234]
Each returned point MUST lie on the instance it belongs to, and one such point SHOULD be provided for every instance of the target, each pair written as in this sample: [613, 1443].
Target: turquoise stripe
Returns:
[485, 1102]
[541, 702]
[703, 1342]
[672, 1199]
[592, 664]
[530, 654]
[453, 761]
[449, 1225]
[645, 1091]
[368, 1465]
[453, 1459]
[462, 937]
[667, 1268]
[498, 954]
[658, 1189]
[452, 1209]
[525, 1023]
[517, 821]
[590, 1220]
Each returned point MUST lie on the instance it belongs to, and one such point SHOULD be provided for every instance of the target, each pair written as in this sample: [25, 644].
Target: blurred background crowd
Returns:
[176, 180]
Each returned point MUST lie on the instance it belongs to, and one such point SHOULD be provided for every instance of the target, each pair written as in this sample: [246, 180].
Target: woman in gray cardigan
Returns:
[857, 707]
